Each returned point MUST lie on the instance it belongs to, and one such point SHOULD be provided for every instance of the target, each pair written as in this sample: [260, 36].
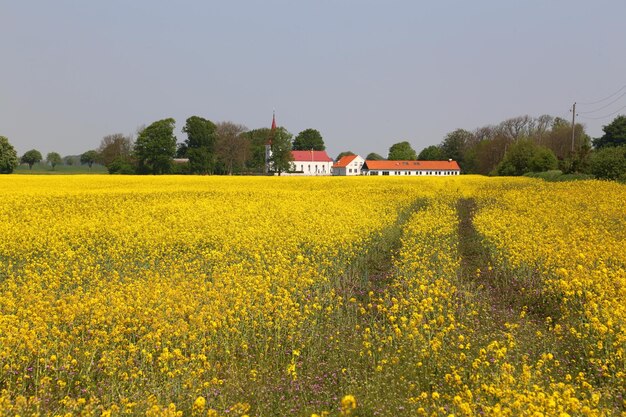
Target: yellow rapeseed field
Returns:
[255, 296]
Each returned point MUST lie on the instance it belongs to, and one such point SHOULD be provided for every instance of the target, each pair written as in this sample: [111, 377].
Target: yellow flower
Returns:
[348, 405]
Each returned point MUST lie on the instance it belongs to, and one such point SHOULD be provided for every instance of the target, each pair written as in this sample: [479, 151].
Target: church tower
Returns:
[268, 145]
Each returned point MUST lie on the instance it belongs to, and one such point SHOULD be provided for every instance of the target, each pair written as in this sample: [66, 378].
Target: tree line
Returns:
[515, 146]
[525, 144]
[209, 148]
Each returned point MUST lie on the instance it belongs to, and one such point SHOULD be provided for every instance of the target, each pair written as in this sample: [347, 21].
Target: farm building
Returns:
[311, 163]
[415, 168]
[348, 165]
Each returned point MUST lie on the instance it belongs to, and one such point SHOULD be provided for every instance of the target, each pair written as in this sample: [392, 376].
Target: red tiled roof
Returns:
[411, 165]
[344, 161]
[313, 156]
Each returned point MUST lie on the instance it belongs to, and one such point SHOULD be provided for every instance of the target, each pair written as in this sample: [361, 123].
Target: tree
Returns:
[609, 163]
[344, 153]
[454, 145]
[281, 150]
[614, 134]
[200, 145]
[401, 151]
[484, 156]
[122, 165]
[373, 156]
[559, 139]
[309, 139]
[68, 160]
[155, 147]
[113, 147]
[524, 156]
[232, 147]
[255, 158]
[53, 158]
[430, 153]
[31, 158]
[89, 158]
[517, 128]
[542, 160]
[8, 156]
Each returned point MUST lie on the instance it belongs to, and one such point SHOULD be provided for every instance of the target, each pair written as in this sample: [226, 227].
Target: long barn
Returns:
[414, 168]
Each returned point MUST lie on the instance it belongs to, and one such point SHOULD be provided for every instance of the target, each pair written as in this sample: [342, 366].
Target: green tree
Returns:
[8, 156]
[31, 158]
[68, 160]
[524, 156]
[542, 160]
[122, 165]
[89, 158]
[401, 151]
[53, 158]
[281, 150]
[344, 153]
[309, 139]
[614, 134]
[609, 163]
[200, 145]
[430, 153]
[454, 145]
[373, 156]
[155, 147]
[255, 158]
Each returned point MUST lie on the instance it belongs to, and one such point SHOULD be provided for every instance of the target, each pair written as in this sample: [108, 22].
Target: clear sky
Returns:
[366, 74]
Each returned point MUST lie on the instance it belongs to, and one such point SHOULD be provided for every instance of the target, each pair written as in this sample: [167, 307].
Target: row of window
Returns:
[415, 173]
[316, 168]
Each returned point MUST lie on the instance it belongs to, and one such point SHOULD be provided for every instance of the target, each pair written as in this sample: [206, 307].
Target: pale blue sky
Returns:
[366, 74]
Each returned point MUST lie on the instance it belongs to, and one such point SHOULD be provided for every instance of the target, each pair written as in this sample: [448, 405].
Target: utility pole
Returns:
[573, 124]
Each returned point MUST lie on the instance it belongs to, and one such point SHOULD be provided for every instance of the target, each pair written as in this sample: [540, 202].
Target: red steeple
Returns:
[272, 130]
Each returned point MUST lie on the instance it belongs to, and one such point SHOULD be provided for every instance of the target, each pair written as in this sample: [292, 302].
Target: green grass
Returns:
[556, 175]
[43, 169]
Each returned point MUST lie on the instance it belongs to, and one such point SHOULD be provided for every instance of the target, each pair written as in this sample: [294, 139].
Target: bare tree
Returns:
[232, 147]
[542, 128]
[114, 146]
[517, 127]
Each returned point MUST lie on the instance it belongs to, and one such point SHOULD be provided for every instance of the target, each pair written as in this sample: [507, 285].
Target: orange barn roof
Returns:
[344, 161]
[412, 165]
[311, 156]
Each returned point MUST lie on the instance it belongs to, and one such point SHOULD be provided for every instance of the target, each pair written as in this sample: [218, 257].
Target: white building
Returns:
[348, 165]
[311, 163]
[415, 168]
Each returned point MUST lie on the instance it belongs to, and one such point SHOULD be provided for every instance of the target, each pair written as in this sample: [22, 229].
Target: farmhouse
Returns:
[348, 165]
[311, 163]
[384, 167]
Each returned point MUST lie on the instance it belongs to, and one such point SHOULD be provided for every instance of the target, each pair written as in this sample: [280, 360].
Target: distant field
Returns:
[278, 296]
[61, 169]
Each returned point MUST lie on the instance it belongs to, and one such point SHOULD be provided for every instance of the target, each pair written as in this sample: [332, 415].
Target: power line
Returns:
[604, 117]
[604, 99]
[605, 106]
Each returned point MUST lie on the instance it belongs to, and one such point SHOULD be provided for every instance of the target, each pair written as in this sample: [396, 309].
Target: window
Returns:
[373, 172]
[302, 168]
[385, 172]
